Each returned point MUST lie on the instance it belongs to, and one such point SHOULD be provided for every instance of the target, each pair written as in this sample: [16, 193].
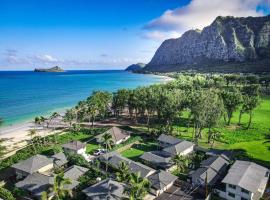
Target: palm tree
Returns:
[107, 141]
[52, 117]
[181, 162]
[59, 187]
[2, 149]
[123, 174]
[32, 133]
[137, 187]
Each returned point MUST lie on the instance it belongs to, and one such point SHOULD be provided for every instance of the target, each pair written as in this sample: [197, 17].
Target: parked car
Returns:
[99, 152]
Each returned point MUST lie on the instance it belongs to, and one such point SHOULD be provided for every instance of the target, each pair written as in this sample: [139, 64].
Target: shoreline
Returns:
[15, 135]
[61, 110]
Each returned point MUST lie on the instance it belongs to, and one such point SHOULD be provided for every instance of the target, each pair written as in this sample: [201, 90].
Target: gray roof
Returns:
[178, 148]
[116, 133]
[135, 167]
[106, 189]
[36, 183]
[168, 139]
[59, 159]
[74, 145]
[157, 158]
[33, 164]
[75, 172]
[161, 179]
[215, 168]
[247, 175]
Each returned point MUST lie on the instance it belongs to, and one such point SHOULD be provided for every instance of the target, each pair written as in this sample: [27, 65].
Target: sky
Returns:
[102, 34]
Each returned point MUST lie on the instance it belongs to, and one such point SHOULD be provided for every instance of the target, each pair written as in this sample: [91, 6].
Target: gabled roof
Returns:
[33, 164]
[75, 172]
[215, 168]
[74, 145]
[247, 175]
[135, 167]
[36, 183]
[116, 133]
[156, 158]
[161, 179]
[179, 147]
[59, 159]
[106, 189]
[168, 139]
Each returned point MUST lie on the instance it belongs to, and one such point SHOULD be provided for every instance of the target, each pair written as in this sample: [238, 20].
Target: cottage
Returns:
[118, 135]
[135, 167]
[158, 159]
[36, 183]
[37, 163]
[59, 159]
[182, 148]
[167, 140]
[75, 147]
[161, 181]
[244, 181]
[211, 170]
[106, 189]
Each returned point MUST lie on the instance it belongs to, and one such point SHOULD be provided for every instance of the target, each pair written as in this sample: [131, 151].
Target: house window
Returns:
[242, 198]
[244, 191]
[232, 186]
[231, 195]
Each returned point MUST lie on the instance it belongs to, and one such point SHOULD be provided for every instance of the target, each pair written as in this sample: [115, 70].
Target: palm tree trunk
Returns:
[250, 119]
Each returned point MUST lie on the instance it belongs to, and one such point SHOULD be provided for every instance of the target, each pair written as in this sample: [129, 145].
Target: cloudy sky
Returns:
[102, 34]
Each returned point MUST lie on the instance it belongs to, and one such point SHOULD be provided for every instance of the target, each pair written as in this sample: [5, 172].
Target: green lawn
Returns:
[252, 143]
[91, 147]
[137, 150]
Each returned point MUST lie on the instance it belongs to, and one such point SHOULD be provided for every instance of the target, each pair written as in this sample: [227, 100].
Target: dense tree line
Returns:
[210, 101]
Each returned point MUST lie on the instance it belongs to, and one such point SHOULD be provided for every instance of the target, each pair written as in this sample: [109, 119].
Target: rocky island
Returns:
[229, 44]
[53, 69]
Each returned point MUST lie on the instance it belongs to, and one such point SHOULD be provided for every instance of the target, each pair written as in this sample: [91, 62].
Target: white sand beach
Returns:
[16, 136]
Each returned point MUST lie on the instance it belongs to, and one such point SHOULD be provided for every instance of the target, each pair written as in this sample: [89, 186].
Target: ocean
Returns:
[26, 94]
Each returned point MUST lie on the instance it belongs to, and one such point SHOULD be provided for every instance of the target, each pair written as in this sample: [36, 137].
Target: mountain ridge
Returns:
[238, 42]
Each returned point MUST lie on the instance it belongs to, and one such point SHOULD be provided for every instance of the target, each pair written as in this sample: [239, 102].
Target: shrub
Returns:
[6, 194]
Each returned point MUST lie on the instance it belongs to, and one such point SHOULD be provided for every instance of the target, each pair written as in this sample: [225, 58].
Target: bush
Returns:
[6, 194]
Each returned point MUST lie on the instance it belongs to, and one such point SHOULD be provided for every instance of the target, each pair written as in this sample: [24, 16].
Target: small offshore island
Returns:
[53, 69]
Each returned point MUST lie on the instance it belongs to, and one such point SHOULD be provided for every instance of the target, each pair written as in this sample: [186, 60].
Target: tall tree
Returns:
[107, 141]
[137, 187]
[181, 162]
[59, 187]
[232, 99]
[123, 172]
[32, 133]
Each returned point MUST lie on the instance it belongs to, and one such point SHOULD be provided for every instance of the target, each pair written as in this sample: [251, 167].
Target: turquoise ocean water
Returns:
[25, 94]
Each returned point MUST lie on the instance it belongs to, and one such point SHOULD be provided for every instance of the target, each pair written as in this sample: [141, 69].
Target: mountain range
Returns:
[229, 44]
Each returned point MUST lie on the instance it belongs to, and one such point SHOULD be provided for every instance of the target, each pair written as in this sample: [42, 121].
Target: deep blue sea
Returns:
[25, 94]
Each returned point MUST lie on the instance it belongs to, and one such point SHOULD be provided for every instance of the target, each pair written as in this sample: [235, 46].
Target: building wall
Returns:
[46, 168]
[81, 151]
[187, 151]
[159, 192]
[237, 192]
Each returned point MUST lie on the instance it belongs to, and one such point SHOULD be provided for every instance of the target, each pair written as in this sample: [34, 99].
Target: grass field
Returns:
[253, 143]
[137, 150]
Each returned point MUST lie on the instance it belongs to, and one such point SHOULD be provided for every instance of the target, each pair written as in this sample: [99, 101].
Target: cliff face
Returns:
[228, 40]
[135, 67]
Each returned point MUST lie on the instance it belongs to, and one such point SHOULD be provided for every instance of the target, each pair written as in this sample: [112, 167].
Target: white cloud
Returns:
[160, 35]
[198, 14]
[46, 58]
